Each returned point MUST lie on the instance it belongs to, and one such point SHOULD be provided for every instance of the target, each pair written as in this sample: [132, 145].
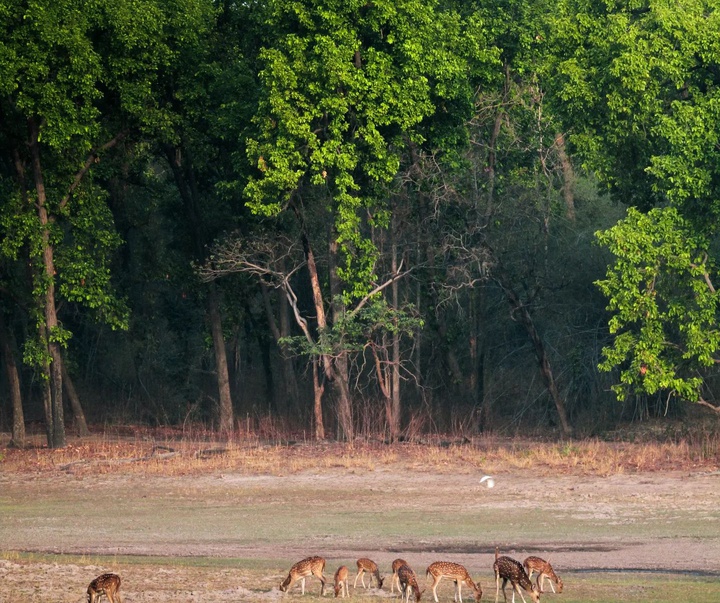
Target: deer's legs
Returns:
[458, 591]
[436, 581]
[517, 588]
[551, 585]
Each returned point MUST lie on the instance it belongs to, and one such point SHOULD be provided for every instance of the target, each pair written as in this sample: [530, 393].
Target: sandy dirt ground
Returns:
[250, 527]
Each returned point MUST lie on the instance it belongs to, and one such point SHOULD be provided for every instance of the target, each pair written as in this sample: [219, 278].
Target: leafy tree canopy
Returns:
[664, 304]
[345, 88]
[638, 84]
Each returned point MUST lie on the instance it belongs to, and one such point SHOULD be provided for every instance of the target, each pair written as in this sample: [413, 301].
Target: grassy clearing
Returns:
[114, 492]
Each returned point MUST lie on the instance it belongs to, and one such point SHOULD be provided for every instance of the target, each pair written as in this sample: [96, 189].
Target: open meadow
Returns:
[190, 520]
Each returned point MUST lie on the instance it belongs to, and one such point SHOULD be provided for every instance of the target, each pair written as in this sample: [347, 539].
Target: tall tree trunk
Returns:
[480, 361]
[181, 164]
[226, 416]
[318, 390]
[395, 371]
[346, 430]
[8, 351]
[326, 361]
[451, 360]
[519, 309]
[78, 415]
[341, 383]
[288, 366]
[568, 177]
[288, 399]
[53, 393]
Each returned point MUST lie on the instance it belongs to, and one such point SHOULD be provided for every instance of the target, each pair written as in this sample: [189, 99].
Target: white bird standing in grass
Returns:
[489, 479]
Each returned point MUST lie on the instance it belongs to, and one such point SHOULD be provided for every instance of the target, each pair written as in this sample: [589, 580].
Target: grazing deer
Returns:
[310, 566]
[509, 569]
[407, 582]
[368, 565]
[108, 585]
[457, 573]
[341, 581]
[396, 565]
[544, 570]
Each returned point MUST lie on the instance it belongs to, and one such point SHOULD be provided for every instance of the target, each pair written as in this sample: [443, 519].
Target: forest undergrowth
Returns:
[169, 451]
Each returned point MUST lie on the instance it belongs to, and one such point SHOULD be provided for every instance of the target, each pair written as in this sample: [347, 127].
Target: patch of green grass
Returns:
[599, 587]
[252, 564]
[209, 576]
[611, 587]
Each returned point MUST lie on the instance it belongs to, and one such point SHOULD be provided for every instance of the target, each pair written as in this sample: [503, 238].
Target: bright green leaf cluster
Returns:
[664, 305]
[345, 87]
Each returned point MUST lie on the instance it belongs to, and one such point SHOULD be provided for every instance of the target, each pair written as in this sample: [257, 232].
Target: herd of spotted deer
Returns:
[505, 568]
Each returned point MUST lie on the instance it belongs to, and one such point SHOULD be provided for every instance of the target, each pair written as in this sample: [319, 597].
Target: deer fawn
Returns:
[510, 570]
[457, 573]
[108, 585]
[396, 565]
[368, 565]
[310, 566]
[341, 581]
[407, 581]
[544, 570]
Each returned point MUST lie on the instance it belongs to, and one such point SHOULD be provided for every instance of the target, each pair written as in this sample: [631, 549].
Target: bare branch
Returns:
[396, 276]
[711, 406]
[92, 158]
[267, 259]
[706, 276]
[264, 258]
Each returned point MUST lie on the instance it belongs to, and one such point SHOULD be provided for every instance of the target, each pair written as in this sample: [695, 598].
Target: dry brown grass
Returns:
[164, 452]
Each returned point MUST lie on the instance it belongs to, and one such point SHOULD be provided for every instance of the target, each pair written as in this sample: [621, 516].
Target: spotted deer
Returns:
[368, 565]
[396, 565]
[510, 570]
[108, 585]
[544, 570]
[341, 581]
[457, 573]
[407, 582]
[310, 566]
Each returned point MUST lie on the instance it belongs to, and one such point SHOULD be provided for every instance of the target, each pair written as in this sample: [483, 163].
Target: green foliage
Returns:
[638, 85]
[84, 266]
[354, 331]
[83, 72]
[665, 309]
[345, 87]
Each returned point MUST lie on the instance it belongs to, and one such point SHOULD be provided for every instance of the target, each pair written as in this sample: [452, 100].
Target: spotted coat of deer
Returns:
[396, 565]
[407, 583]
[341, 582]
[108, 585]
[310, 566]
[512, 571]
[365, 565]
[544, 570]
[455, 572]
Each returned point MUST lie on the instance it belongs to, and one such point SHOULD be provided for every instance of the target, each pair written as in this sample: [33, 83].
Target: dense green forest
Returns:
[381, 217]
